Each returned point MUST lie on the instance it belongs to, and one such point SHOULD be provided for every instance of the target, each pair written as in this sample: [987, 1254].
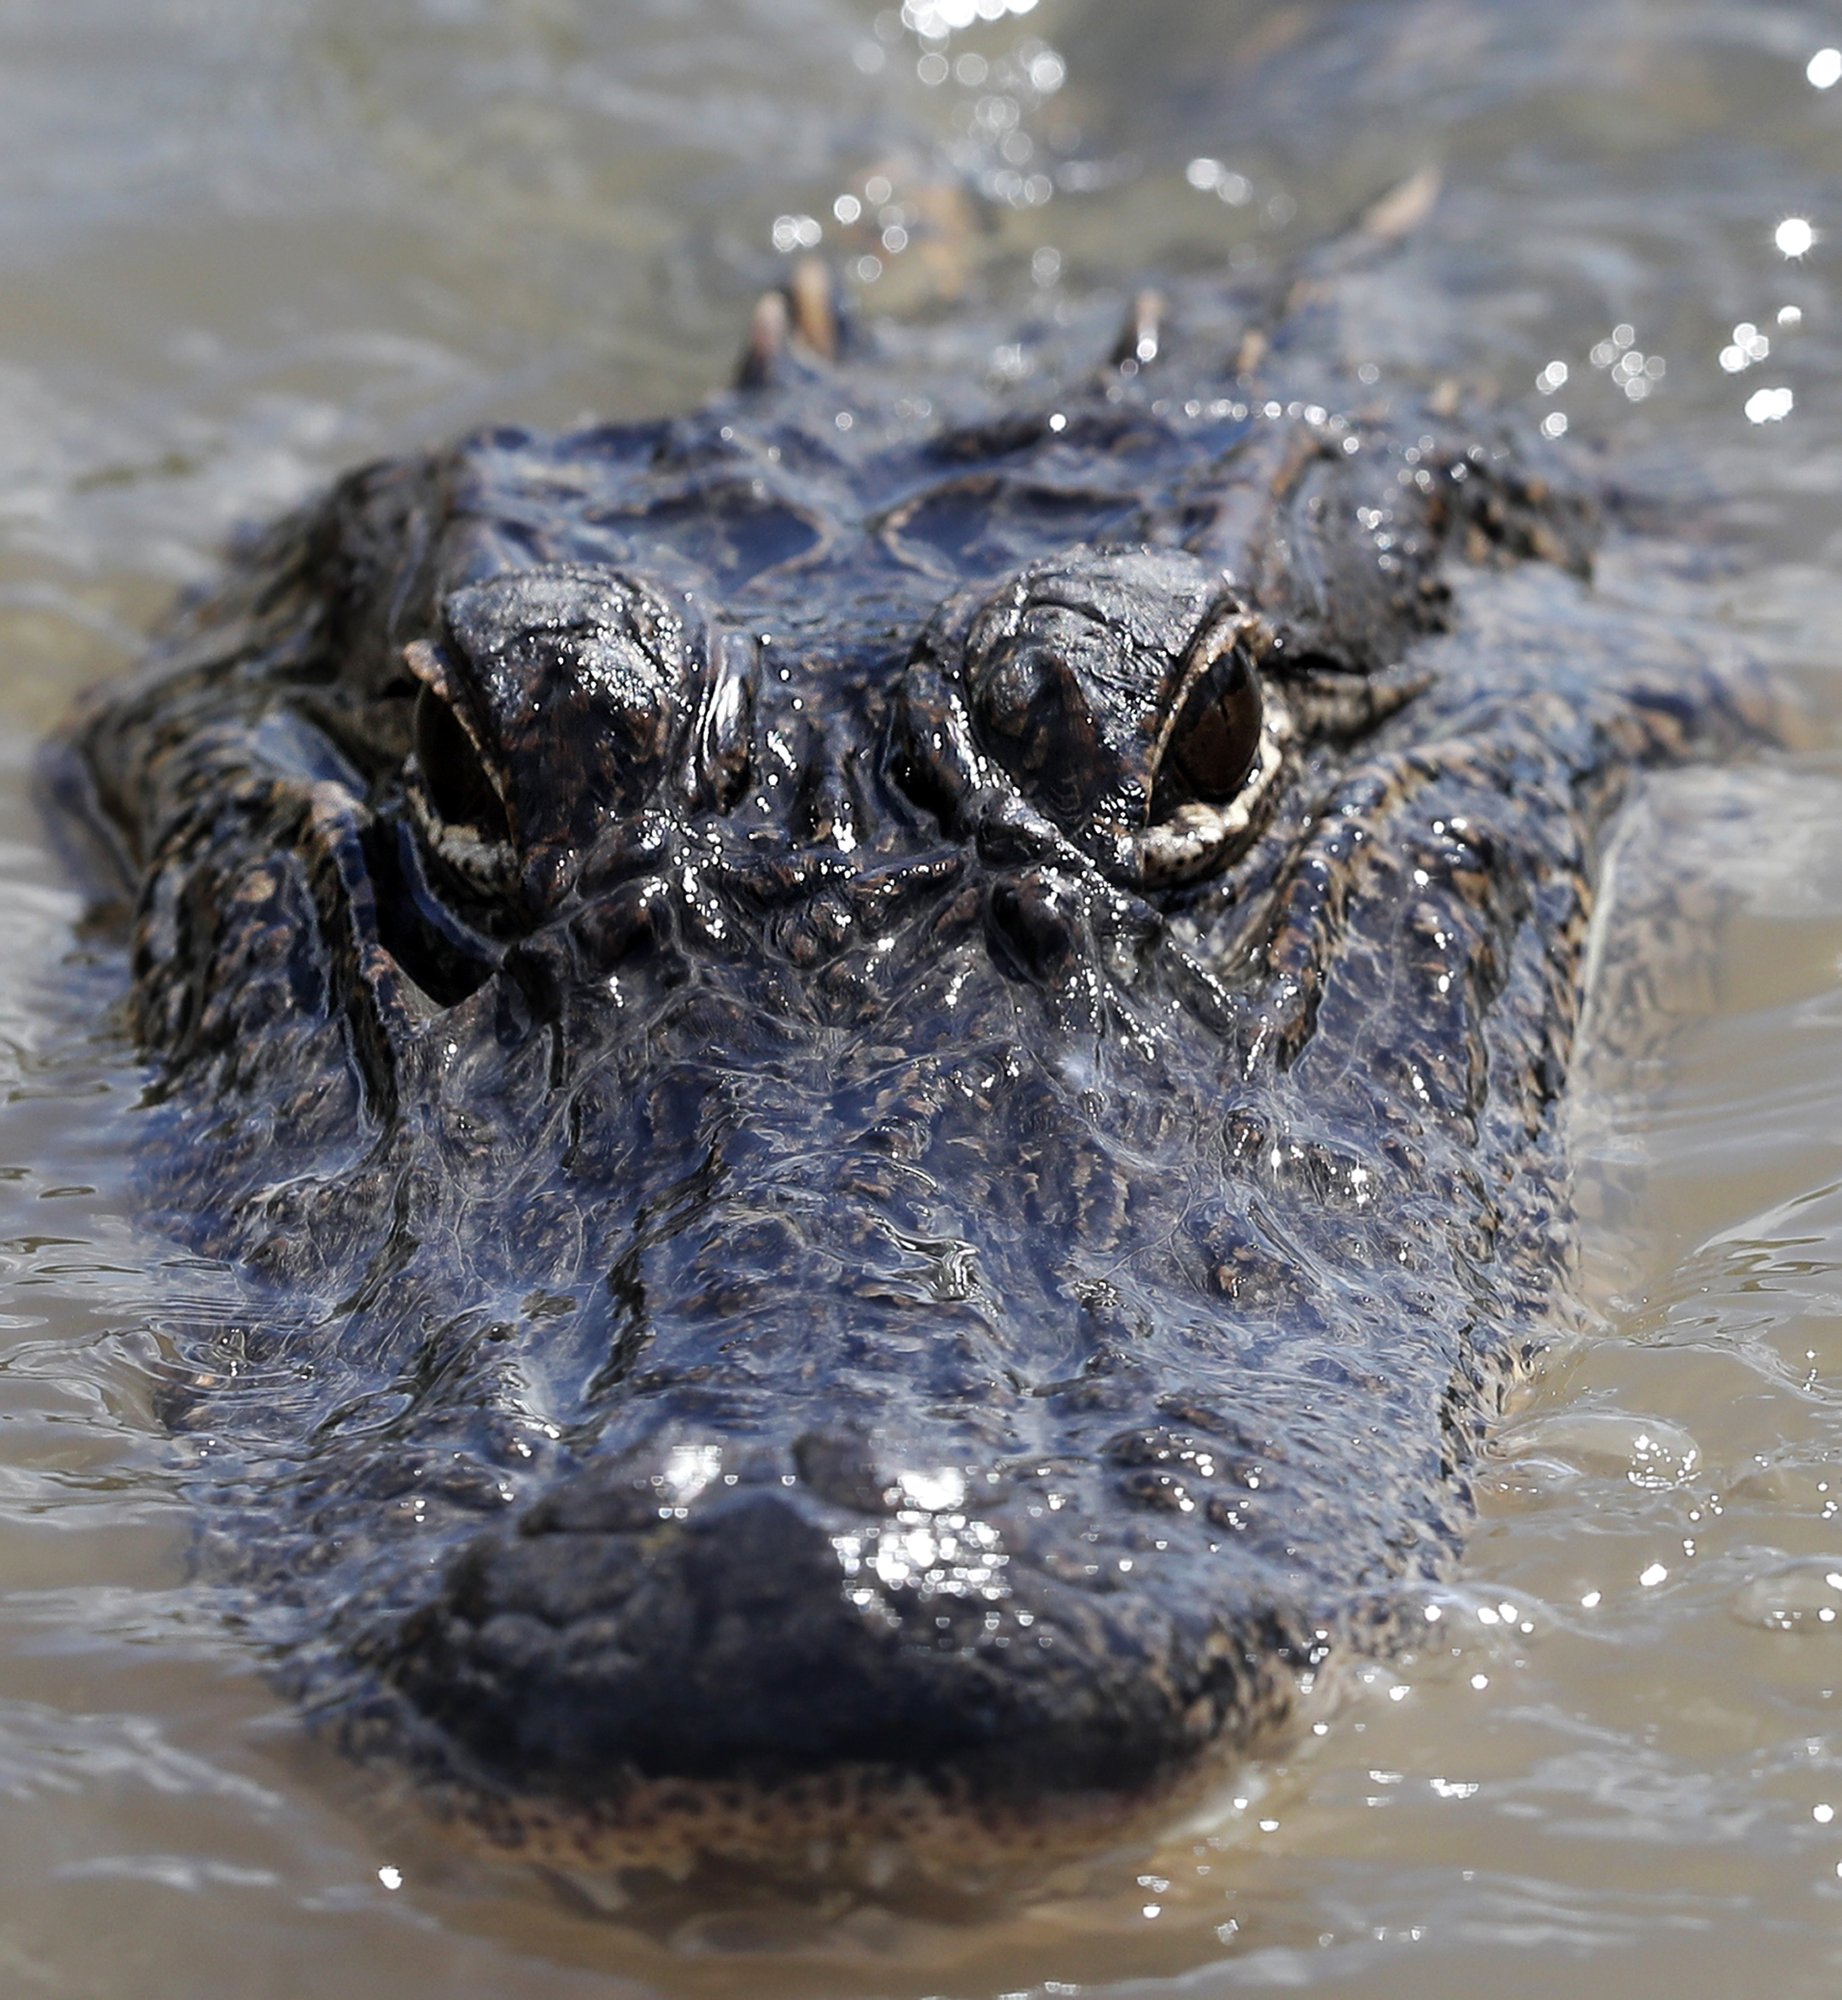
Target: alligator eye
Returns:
[556, 703]
[1117, 688]
[454, 778]
[1213, 743]
[453, 796]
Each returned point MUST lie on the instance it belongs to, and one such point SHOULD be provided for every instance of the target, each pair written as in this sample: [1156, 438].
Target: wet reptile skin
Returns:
[885, 1064]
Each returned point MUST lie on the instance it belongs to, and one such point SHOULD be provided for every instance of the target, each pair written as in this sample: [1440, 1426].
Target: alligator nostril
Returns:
[1031, 922]
[625, 1504]
[578, 1647]
[841, 1468]
[747, 1641]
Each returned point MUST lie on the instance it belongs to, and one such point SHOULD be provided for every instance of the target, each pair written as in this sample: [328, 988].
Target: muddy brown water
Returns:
[243, 242]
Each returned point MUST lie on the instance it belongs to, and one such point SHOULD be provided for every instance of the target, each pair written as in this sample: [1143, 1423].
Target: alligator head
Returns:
[886, 1072]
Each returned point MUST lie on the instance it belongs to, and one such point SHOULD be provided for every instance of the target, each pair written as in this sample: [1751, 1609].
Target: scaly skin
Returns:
[889, 1089]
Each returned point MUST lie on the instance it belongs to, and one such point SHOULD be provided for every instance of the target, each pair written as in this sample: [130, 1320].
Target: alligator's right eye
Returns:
[455, 779]
[454, 797]
[1213, 742]
[1117, 689]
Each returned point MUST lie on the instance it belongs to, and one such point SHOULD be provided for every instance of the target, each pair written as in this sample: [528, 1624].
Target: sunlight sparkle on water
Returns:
[936, 19]
[933, 1492]
[1824, 69]
[1747, 346]
[1209, 176]
[689, 1468]
[795, 232]
[1794, 237]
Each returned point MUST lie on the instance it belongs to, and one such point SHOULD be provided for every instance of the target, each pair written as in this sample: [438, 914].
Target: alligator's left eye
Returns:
[459, 787]
[1116, 687]
[1213, 741]
[550, 706]
[454, 795]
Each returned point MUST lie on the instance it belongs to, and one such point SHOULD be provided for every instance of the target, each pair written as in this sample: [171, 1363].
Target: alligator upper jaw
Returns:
[762, 1682]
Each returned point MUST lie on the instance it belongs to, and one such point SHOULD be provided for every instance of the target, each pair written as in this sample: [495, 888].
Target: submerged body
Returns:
[887, 1063]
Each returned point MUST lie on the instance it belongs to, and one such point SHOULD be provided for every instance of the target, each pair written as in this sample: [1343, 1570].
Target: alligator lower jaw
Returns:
[867, 1827]
[871, 1829]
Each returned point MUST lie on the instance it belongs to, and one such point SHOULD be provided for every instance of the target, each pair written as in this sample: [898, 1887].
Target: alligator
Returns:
[884, 1066]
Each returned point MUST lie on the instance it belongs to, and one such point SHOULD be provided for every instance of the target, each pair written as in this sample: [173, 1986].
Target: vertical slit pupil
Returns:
[1217, 737]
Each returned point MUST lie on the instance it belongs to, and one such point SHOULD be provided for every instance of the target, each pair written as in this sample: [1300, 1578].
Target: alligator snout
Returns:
[768, 1633]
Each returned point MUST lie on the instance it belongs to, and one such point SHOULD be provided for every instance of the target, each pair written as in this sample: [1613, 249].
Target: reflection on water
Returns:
[245, 243]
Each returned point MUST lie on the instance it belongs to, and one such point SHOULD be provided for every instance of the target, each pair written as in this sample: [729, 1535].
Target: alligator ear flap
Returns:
[800, 322]
[931, 753]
